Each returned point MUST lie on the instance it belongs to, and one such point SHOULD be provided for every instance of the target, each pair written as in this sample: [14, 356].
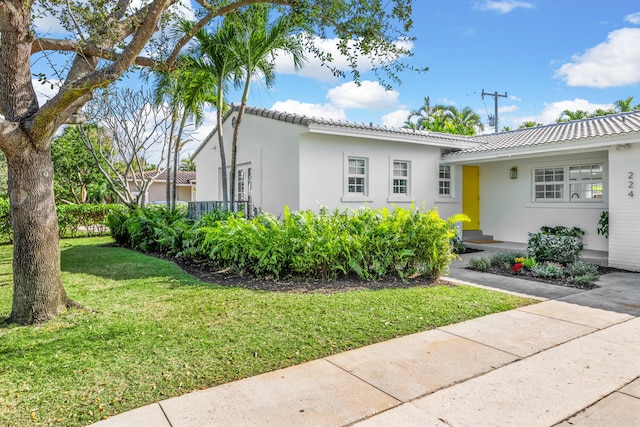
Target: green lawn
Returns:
[153, 332]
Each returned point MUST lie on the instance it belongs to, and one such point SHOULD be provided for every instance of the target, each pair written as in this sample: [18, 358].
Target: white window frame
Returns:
[448, 180]
[350, 174]
[564, 190]
[399, 177]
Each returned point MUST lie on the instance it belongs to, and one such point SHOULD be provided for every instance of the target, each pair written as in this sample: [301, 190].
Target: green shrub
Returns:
[6, 232]
[86, 219]
[580, 268]
[368, 243]
[505, 259]
[480, 264]
[116, 222]
[548, 269]
[457, 244]
[583, 280]
[561, 230]
[556, 244]
[582, 273]
[603, 224]
[73, 220]
[529, 262]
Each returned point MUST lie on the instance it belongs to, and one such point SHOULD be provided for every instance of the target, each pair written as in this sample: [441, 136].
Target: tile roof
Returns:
[617, 124]
[182, 177]
[303, 120]
[308, 120]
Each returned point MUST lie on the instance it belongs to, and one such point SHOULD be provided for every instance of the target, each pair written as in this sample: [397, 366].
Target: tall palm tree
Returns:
[255, 43]
[568, 115]
[623, 105]
[444, 119]
[186, 90]
[215, 63]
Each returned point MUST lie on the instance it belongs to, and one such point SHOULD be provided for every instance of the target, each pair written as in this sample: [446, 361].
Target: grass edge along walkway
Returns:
[153, 332]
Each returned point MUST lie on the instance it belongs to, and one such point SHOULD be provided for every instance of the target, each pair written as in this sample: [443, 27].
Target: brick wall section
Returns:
[624, 210]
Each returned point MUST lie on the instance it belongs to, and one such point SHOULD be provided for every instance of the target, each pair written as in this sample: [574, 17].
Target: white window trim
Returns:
[452, 197]
[566, 196]
[349, 197]
[399, 198]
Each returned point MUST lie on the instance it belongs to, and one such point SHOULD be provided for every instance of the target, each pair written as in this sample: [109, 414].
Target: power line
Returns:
[495, 98]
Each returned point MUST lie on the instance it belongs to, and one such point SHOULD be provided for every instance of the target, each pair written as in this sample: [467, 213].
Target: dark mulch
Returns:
[206, 271]
[469, 251]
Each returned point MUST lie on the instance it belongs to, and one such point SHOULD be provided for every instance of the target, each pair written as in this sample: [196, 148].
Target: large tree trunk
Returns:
[38, 292]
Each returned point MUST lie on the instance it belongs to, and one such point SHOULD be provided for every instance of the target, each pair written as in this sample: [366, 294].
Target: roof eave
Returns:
[582, 145]
[386, 134]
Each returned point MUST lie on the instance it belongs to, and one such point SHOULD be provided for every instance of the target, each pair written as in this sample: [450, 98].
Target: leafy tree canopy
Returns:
[620, 106]
[77, 177]
[444, 119]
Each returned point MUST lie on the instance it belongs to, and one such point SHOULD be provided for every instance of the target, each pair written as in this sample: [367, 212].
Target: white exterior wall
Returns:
[270, 147]
[507, 209]
[323, 160]
[624, 210]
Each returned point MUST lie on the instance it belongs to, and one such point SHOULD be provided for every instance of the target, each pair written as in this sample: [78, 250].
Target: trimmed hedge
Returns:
[73, 220]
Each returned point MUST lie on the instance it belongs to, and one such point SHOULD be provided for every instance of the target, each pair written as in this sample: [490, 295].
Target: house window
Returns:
[444, 181]
[400, 178]
[585, 182]
[569, 183]
[357, 176]
[549, 183]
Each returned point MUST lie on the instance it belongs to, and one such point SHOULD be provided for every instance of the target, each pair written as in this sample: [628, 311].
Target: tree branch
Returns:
[43, 44]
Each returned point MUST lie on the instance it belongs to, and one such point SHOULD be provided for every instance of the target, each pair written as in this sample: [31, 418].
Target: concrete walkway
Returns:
[571, 360]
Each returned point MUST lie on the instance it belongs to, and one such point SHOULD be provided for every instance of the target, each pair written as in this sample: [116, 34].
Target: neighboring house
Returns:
[509, 183]
[157, 190]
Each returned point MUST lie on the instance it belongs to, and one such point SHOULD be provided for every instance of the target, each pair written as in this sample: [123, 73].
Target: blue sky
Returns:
[547, 55]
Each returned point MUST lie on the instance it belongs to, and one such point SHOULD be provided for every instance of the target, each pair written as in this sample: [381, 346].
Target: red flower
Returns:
[517, 268]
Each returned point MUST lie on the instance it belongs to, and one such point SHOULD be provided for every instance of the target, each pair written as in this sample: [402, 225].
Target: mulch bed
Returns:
[527, 275]
[207, 272]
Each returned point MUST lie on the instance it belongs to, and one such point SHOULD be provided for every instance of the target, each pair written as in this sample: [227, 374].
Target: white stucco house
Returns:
[508, 183]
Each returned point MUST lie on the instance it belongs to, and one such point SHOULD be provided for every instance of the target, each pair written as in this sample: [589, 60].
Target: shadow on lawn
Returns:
[116, 263]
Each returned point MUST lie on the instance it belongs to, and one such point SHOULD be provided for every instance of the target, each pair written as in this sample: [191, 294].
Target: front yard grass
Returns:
[153, 331]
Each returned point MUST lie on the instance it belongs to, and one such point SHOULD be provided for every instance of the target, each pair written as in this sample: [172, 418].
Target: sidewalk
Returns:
[569, 360]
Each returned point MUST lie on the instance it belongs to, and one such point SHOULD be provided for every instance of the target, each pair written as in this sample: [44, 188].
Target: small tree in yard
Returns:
[137, 129]
[105, 40]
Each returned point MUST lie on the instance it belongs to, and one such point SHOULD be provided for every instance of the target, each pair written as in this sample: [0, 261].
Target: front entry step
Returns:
[475, 235]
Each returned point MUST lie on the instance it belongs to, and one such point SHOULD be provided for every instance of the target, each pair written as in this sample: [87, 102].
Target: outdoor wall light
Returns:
[513, 172]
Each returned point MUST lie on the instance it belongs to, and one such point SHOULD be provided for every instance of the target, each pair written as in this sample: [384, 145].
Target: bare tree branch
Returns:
[60, 45]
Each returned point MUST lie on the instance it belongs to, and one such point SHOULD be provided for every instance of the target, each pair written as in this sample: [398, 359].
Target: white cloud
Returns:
[396, 118]
[45, 91]
[553, 110]
[503, 6]
[316, 69]
[370, 95]
[615, 62]
[508, 109]
[633, 18]
[326, 111]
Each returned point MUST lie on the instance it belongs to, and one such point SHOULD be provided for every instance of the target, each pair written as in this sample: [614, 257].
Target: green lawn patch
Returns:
[153, 331]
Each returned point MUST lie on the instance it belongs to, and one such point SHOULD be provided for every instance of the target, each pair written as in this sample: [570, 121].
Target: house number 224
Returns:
[631, 177]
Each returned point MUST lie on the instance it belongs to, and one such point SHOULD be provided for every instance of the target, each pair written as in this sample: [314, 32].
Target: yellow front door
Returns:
[471, 196]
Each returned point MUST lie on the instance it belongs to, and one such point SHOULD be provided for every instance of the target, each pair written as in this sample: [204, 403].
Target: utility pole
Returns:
[495, 99]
